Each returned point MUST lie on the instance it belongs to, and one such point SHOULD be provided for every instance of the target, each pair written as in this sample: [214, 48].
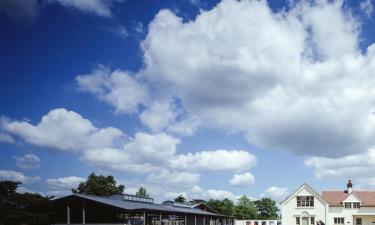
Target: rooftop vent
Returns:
[133, 198]
[177, 204]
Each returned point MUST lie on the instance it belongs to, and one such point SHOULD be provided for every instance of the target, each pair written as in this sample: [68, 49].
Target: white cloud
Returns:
[167, 177]
[242, 179]
[17, 176]
[6, 138]
[301, 65]
[30, 9]
[358, 167]
[117, 88]
[98, 7]
[65, 182]
[276, 193]
[28, 161]
[367, 7]
[215, 160]
[64, 130]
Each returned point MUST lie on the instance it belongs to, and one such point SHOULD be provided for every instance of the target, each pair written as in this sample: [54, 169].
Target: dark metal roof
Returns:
[131, 205]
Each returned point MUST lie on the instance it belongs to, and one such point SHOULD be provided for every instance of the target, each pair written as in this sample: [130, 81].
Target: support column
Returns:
[160, 217]
[185, 220]
[204, 220]
[144, 218]
[195, 220]
[68, 214]
[83, 213]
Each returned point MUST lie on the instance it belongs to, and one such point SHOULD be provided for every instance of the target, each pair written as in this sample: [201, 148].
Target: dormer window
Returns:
[348, 205]
[356, 205]
[305, 201]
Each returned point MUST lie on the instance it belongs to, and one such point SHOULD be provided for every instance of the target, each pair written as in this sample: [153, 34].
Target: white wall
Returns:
[348, 215]
[289, 209]
[260, 222]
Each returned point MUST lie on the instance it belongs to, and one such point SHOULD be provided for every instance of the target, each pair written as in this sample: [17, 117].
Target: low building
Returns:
[305, 206]
[132, 210]
[257, 222]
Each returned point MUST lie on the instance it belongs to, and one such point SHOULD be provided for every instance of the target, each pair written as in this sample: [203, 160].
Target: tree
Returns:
[224, 206]
[26, 208]
[142, 192]
[99, 185]
[266, 209]
[245, 209]
[180, 199]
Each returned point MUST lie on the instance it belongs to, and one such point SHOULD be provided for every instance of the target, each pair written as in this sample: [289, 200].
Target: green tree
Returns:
[99, 185]
[224, 206]
[180, 199]
[266, 209]
[245, 209]
[26, 208]
[142, 192]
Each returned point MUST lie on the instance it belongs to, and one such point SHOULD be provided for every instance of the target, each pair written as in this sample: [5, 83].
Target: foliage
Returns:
[224, 207]
[266, 209]
[27, 208]
[245, 209]
[180, 199]
[142, 192]
[99, 185]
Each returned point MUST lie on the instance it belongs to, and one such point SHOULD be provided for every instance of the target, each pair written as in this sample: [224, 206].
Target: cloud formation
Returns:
[64, 130]
[242, 179]
[28, 161]
[17, 177]
[276, 193]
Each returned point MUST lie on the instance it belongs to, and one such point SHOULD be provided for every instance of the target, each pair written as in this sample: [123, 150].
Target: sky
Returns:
[204, 98]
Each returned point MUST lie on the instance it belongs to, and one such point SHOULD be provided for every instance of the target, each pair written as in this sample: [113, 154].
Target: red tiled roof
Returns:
[335, 198]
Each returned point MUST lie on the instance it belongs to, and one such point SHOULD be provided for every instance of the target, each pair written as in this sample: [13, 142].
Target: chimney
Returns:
[349, 187]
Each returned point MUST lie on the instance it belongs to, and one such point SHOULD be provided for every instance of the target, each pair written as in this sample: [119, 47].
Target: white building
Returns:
[305, 207]
[257, 222]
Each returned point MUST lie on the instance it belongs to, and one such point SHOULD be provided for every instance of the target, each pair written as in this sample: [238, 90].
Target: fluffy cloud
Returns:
[215, 160]
[65, 182]
[64, 130]
[146, 153]
[142, 154]
[245, 68]
[358, 167]
[276, 193]
[367, 7]
[242, 179]
[17, 176]
[6, 138]
[28, 161]
[117, 88]
[173, 178]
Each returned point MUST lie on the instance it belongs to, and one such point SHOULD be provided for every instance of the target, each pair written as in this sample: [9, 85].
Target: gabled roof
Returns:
[335, 198]
[131, 205]
[309, 188]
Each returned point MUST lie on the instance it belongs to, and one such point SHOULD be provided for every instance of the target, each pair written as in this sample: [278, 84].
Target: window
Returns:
[312, 220]
[356, 205]
[358, 221]
[298, 222]
[348, 205]
[305, 201]
[338, 220]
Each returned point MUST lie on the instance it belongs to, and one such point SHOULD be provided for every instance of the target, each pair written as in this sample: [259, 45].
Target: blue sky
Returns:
[210, 99]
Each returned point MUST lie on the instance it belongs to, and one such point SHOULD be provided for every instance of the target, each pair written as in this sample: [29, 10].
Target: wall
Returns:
[289, 209]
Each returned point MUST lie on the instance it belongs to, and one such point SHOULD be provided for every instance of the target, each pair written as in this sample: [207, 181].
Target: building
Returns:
[350, 207]
[132, 210]
[257, 222]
